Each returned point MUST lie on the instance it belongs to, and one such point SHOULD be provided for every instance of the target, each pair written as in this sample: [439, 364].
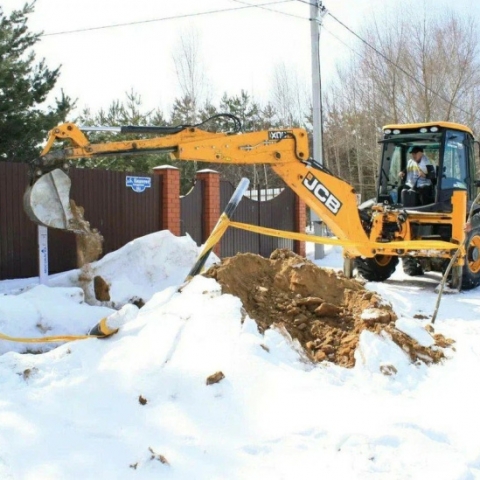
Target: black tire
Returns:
[471, 269]
[411, 266]
[376, 269]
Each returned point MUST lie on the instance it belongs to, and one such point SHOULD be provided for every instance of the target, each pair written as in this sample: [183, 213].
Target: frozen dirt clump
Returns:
[321, 308]
[89, 241]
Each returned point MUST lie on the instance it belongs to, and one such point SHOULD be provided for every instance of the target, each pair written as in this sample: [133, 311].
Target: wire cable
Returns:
[441, 97]
[307, 3]
[401, 102]
[271, 9]
[174, 17]
[399, 67]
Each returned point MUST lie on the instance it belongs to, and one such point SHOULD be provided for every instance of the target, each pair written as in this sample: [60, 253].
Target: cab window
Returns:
[454, 173]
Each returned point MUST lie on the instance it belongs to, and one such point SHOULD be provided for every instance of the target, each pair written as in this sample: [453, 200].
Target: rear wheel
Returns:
[376, 269]
[412, 267]
[471, 269]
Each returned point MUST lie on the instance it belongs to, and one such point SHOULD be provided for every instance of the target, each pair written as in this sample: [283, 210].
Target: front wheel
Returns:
[412, 267]
[376, 269]
[471, 269]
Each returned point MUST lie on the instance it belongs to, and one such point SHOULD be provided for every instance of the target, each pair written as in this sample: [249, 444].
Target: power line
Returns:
[264, 6]
[398, 66]
[174, 17]
[441, 97]
[349, 47]
[271, 9]
[402, 102]
[341, 41]
[307, 3]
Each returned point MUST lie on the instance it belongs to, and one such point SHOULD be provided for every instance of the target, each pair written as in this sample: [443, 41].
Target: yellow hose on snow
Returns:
[101, 330]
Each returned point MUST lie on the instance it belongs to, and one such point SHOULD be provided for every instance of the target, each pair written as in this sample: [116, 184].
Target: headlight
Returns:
[434, 129]
[423, 130]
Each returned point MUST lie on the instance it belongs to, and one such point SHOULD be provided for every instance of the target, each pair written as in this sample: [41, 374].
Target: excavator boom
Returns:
[47, 200]
[373, 238]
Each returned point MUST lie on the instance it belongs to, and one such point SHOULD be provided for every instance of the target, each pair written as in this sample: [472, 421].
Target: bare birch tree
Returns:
[192, 80]
[190, 72]
[288, 97]
[409, 69]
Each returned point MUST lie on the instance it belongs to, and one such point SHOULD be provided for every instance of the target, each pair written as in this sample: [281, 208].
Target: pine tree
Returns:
[24, 87]
[123, 113]
[244, 108]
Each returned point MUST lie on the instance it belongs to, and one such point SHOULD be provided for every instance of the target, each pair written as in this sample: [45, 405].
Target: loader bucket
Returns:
[47, 201]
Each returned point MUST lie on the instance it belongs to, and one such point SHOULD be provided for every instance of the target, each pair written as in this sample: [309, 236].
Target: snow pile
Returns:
[68, 306]
[190, 388]
[139, 269]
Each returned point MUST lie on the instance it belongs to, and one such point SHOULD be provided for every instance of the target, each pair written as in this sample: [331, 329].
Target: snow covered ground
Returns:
[137, 405]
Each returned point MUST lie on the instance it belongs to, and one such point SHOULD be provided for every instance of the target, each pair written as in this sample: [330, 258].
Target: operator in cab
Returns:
[418, 175]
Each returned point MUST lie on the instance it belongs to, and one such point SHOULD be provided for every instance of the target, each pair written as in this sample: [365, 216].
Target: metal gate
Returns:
[278, 213]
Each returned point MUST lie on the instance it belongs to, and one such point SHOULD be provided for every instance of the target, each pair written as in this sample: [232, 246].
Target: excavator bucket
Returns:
[47, 201]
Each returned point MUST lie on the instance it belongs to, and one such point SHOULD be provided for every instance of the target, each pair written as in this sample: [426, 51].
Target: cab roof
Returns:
[451, 125]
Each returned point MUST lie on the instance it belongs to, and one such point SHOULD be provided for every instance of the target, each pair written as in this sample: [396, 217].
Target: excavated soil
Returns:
[319, 307]
[89, 241]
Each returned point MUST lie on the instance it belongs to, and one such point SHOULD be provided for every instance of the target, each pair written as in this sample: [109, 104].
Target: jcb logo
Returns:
[322, 193]
[279, 135]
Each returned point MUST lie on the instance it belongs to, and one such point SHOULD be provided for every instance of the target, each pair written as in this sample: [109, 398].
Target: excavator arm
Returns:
[47, 201]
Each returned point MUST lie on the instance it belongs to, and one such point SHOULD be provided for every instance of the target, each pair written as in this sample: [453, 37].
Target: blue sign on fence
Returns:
[138, 184]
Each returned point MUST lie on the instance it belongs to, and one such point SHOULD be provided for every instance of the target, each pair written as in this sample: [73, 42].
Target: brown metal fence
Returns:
[17, 232]
[191, 213]
[276, 213]
[118, 212]
[121, 215]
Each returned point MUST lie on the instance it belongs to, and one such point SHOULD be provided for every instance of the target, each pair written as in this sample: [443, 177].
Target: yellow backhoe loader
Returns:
[374, 235]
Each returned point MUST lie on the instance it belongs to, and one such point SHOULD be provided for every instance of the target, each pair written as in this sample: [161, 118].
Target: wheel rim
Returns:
[473, 254]
[384, 260]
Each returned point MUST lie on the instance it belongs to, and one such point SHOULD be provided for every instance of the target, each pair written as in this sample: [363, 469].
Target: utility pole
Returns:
[317, 12]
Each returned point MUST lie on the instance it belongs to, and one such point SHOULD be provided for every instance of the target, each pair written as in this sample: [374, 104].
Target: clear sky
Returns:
[239, 46]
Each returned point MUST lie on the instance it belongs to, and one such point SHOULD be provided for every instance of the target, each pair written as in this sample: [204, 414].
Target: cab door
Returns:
[455, 172]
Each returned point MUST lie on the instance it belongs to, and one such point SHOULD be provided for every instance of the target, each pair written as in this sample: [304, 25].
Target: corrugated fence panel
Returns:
[191, 213]
[119, 213]
[18, 235]
[278, 213]
[235, 240]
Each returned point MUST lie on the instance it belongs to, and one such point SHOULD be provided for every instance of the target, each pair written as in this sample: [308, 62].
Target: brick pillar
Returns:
[300, 224]
[170, 201]
[210, 203]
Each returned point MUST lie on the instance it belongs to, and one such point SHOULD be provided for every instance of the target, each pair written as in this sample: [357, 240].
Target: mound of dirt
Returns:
[322, 309]
[89, 241]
